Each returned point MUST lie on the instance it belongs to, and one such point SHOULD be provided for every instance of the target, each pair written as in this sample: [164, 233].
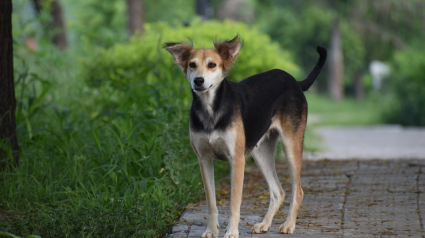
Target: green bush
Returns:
[407, 80]
[140, 60]
[95, 168]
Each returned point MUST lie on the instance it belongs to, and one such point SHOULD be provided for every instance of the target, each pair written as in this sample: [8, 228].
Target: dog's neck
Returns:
[208, 98]
[211, 107]
[208, 101]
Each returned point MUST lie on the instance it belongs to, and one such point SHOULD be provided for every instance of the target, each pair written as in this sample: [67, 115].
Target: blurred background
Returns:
[375, 47]
[102, 111]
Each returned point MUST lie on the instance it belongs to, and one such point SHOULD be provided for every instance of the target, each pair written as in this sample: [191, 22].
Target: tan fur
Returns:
[293, 146]
[228, 51]
[181, 53]
[238, 168]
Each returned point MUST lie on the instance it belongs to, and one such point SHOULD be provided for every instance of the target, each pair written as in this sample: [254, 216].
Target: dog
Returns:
[230, 121]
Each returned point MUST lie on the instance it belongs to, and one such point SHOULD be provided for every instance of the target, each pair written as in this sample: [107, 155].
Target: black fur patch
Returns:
[258, 98]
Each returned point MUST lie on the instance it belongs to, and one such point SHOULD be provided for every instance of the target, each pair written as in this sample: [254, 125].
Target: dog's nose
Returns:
[199, 81]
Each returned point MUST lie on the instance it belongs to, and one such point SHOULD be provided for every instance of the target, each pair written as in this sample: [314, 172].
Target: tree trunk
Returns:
[7, 90]
[336, 66]
[358, 85]
[57, 24]
[238, 10]
[59, 39]
[135, 16]
[204, 9]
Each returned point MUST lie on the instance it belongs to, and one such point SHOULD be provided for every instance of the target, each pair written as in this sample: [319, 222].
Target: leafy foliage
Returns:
[300, 31]
[407, 80]
[138, 60]
[91, 169]
[100, 24]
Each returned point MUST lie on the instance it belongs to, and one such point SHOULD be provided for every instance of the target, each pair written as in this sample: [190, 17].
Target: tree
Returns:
[204, 9]
[7, 91]
[336, 65]
[135, 16]
[238, 10]
[57, 24]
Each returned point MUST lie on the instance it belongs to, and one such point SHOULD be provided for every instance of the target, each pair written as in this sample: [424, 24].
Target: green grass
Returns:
[347, 112]
[96, 162]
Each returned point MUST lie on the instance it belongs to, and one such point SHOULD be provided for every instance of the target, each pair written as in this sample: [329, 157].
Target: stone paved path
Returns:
[343, 198]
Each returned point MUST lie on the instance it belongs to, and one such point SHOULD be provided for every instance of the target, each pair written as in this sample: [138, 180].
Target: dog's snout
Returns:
[199, 81]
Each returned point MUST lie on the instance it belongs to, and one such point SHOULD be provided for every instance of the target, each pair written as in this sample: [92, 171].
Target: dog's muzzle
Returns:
[199, 81]
[199, 84]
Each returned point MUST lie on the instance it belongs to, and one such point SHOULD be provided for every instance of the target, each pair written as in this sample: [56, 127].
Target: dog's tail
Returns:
[306, 83]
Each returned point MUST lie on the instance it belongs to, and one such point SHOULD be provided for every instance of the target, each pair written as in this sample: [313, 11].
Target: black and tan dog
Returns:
[230, 121]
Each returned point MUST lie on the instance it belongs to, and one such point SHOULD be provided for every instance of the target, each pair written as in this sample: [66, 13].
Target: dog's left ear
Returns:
[228, 51]
[180, 52]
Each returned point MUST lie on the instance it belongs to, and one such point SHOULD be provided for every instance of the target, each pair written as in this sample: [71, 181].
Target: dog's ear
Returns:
[180, 52]
[228, 51]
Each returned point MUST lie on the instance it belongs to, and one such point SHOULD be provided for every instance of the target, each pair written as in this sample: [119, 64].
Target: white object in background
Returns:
[378, 70]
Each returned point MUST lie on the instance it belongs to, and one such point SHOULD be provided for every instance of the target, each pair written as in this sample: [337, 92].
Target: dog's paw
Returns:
[209, 234]
[287, 228]
[231, 235]
[260, 228]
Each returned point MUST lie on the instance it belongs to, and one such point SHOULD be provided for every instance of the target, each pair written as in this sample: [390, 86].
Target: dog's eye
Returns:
[211, 65]
[192, 65]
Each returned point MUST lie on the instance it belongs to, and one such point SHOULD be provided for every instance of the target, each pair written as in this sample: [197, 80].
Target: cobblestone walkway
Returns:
[362, 197]
[342, 199]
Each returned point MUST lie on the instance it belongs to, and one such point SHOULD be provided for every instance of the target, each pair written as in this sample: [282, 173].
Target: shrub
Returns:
[407, 82]
[92, 169]
[142, 60]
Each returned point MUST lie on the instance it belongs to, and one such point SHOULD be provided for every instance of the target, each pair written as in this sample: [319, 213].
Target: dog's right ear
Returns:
[180, 52]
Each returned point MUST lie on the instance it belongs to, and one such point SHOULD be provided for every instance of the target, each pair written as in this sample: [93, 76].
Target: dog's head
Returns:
[205, 68]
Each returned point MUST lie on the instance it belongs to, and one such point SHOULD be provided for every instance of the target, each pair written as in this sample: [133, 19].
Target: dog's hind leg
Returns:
[293, 136]
[264, 156]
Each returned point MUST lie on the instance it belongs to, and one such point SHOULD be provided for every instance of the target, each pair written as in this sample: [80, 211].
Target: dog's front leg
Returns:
[237, 175]
[207, 171]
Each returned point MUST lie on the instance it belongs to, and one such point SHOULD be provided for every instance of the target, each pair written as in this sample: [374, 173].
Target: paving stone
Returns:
[375, 198]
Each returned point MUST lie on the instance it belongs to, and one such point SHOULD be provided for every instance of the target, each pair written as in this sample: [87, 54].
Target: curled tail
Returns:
[306, 83]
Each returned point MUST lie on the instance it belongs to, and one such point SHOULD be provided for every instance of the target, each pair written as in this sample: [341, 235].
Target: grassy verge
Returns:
[348, 112]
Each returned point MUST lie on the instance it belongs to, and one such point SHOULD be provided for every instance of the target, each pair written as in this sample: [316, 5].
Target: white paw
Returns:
[260, 228]
[210, 234]
[232, 235]
[287, 228]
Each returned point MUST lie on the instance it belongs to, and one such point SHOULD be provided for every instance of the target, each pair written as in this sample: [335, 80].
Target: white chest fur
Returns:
[216, 142]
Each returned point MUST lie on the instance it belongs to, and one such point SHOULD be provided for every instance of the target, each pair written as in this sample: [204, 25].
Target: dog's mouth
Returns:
[201, 89]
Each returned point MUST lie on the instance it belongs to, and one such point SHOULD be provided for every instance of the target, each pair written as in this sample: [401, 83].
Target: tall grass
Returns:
[112, 163]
